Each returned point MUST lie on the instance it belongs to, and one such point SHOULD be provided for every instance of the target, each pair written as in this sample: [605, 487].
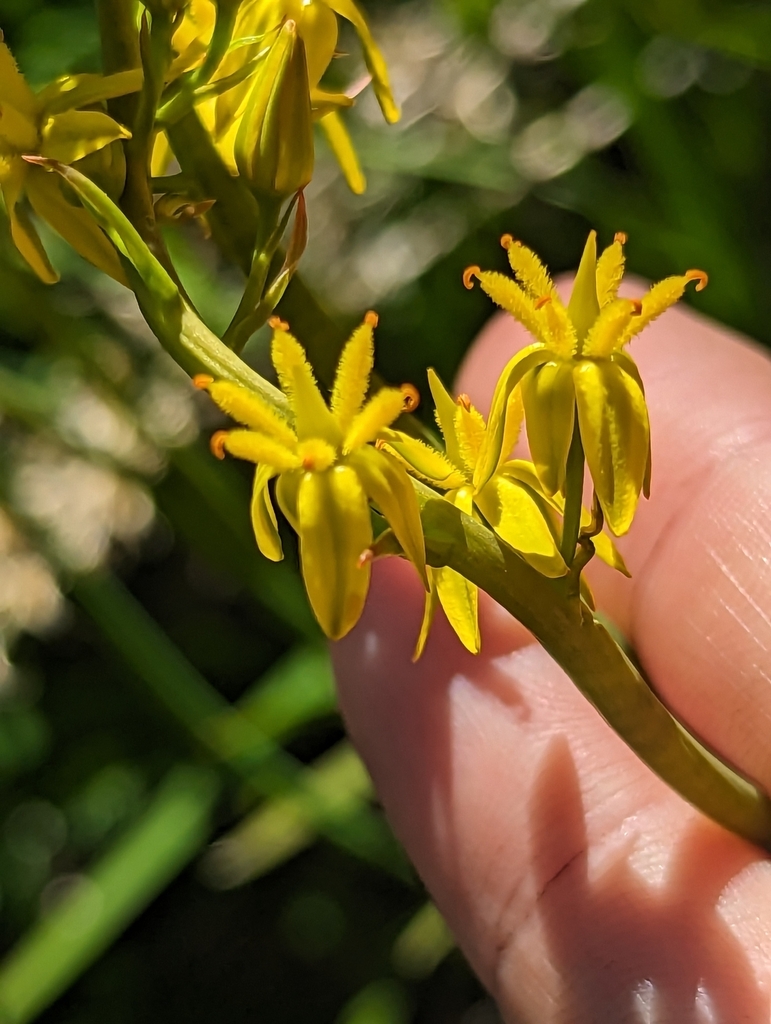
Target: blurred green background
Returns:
[185, 833]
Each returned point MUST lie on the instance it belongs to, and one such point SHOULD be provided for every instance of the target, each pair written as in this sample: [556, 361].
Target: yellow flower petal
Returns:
[74, 134]
[607, 332]
[527, 267]
[72, 91]
[17, 132]
[613, 420]
[493, 452]
[444, 410]
[287, 490]
[162, 155]
[584, 307]
[372, 57]
[73, 223]
[379, 412]
[13, 173]
[550, 401]
[609, 553]
[335, 530]
[387, 484]
[429, 610]
[353, 373]
[248, 408]
[246, 444]
[515, 514]
[341, 145]
[311, 415]
[628, 365]
[424, 461]
[318, 28]
[515, 300]
[610, 270]
[13, 87]
[264, 517]
[460, 601]
[655, 302]
[470, 432]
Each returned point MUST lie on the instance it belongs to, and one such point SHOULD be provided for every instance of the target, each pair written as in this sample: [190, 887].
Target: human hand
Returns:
[579, 886]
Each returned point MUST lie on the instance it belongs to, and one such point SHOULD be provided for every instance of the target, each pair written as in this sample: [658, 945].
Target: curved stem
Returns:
[584, 648]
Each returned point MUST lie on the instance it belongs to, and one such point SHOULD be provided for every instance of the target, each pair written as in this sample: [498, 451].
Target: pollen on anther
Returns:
[278, 324]
[540, 303]
[371, 318]
[217, 443]
[380, 444]
[202, 381]
[367, 556]
[464, 401]
[309, 463]
[411, 397]
[468, 276]
[636, 307]
[507, 241]
[697, 275]
[620, 237]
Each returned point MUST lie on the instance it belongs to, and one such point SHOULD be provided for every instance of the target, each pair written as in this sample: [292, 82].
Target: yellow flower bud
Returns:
[274, 144]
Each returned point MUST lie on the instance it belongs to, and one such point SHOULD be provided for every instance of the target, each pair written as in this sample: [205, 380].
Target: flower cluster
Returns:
[574, 386]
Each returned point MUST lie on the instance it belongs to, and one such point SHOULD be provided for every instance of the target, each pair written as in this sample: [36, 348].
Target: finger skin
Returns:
[579, 886]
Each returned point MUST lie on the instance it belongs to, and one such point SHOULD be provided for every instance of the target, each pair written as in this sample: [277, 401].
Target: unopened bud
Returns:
[274, 145]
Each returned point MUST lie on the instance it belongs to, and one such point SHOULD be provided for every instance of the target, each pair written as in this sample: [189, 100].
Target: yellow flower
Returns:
[327, 471]
[48, 124]
[512, 502]
[577, 370]
[256, 26]
[517, 512]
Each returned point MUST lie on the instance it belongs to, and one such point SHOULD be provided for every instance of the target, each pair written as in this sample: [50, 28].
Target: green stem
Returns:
[574, 490]
[582, 646]
[121, 52]
[240, 328]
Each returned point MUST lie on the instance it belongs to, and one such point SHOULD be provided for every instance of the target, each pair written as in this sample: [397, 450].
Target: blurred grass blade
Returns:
[297, 689]
[423, 944]
[75, 933]
[380, 1002]
[282, 828]
[225, 731]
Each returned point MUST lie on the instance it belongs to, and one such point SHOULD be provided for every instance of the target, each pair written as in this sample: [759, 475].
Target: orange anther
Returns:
[464, 401]
[371, 318]
[697, 275]
[380, 444]
[507, 241]
[217, 443]
[278, 324]
[202, 381]
[309, 463]
[469, 274]
[540, 303]
[411, 397]
[636, 307]
[620, 237]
